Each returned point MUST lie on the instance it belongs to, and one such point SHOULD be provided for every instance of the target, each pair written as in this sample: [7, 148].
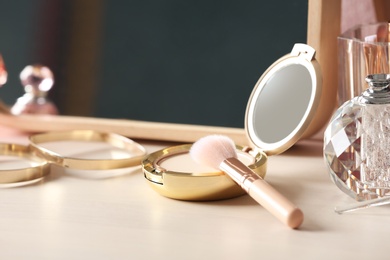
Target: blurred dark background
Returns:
[169, 61]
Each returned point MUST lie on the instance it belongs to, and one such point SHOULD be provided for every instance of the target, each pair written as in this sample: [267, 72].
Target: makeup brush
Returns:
[219, 152]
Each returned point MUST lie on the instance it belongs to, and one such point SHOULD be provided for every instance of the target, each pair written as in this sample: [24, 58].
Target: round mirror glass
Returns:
[282, 103]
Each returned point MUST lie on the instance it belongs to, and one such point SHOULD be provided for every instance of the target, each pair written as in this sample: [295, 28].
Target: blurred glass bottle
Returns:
[37, 81]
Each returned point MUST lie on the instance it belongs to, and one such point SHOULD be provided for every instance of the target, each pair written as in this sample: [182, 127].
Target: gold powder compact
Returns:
[172, 173]
[285, 106]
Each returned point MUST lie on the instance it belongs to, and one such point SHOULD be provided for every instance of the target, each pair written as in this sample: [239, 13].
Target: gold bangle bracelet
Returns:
[38, 169]
[135, 150]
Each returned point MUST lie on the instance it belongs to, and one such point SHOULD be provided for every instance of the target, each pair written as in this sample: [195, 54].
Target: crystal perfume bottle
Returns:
[357, 142]
[37, 81]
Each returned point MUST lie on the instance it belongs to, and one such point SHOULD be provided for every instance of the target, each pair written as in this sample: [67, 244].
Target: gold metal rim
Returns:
[115, 140]
[39, 168]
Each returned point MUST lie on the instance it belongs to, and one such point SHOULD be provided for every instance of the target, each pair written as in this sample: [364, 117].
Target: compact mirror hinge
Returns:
[303, 50]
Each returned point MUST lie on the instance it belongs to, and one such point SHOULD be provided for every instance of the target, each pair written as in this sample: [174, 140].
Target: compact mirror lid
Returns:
[284, 101]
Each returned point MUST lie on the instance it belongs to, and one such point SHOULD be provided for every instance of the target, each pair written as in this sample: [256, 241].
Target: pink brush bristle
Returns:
[212, 150]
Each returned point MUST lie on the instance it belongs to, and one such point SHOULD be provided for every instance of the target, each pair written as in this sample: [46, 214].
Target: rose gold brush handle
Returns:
[263, 193]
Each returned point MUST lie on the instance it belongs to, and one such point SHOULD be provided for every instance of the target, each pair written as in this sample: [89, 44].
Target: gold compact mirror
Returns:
[285, 102]
[284, 106]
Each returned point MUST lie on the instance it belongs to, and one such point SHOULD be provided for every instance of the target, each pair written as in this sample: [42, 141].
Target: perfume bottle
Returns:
[357, 142]
[37, 81]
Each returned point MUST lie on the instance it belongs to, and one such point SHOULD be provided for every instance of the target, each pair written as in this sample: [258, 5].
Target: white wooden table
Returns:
[81, 217]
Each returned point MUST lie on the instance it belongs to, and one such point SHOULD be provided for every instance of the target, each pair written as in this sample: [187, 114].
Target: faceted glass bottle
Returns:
[357, 142]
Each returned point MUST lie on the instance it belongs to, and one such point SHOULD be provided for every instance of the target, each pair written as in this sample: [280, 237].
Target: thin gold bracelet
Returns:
[38, 169]
[135, 150]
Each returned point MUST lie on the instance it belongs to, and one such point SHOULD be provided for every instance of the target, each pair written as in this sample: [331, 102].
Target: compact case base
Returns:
[183, 180]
